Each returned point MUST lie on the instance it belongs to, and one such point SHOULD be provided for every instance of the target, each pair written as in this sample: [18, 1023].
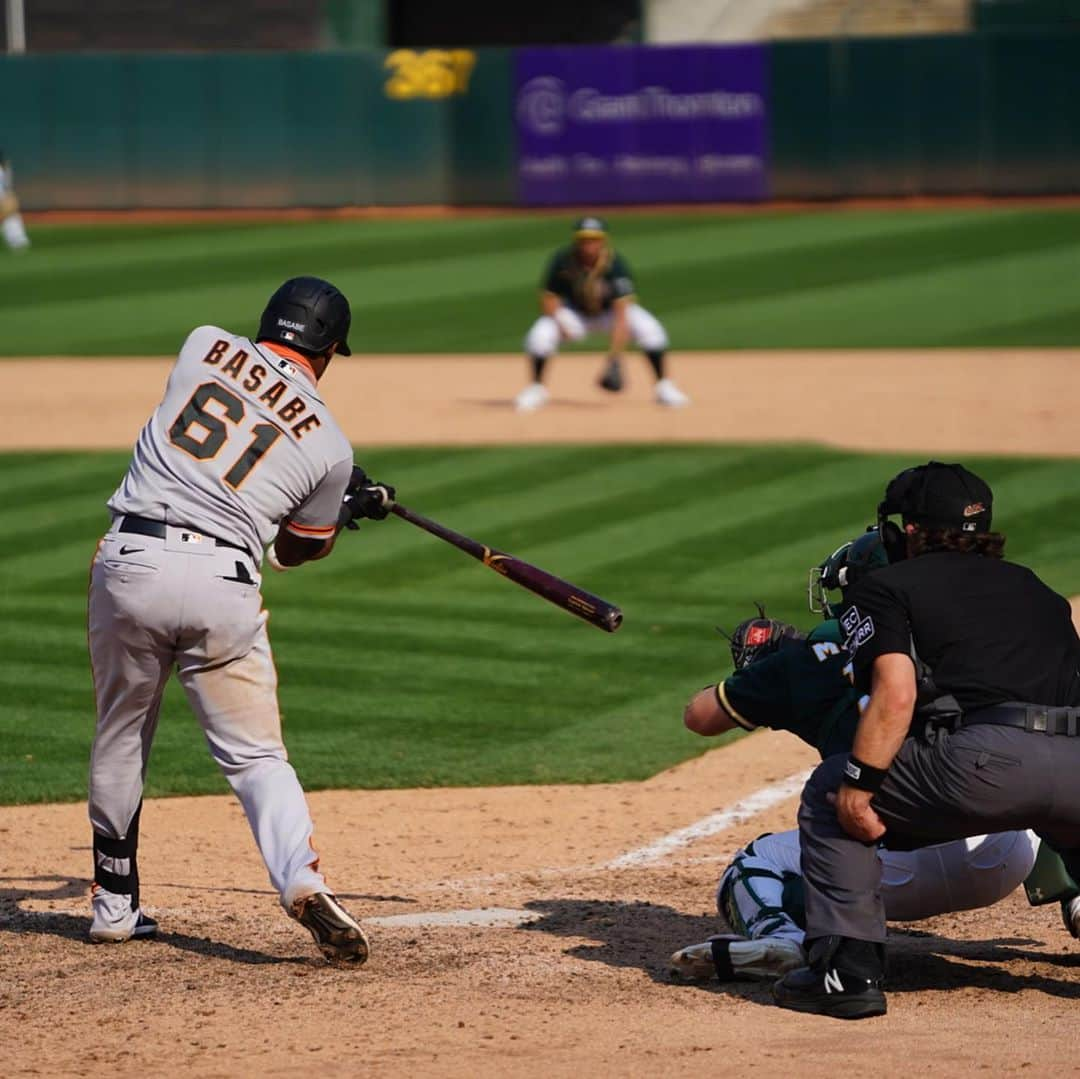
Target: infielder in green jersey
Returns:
[587, 288]
[790, 682]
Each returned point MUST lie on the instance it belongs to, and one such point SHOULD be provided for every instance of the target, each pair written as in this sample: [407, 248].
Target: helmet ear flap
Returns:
[893, 540]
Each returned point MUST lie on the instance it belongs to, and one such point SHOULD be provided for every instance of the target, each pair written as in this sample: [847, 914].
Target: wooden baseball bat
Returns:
[585, 605]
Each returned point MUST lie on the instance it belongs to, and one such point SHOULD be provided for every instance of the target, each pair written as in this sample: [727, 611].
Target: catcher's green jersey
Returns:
[590, 291]
[802, 688]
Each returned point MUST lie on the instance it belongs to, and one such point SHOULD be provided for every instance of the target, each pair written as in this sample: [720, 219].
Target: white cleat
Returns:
[667, 393]
[115, 921]
[534, 396]
[731, 958]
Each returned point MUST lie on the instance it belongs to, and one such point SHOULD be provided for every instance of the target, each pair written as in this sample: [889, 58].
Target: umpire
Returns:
[1001, 650]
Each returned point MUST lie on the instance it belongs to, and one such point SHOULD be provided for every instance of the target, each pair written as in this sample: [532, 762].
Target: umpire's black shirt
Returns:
[989, 630]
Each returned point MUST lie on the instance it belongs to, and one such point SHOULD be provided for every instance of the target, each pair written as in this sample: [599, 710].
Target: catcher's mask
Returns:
[847, 564]
[309, 314]
[756, 638]
[935, 495]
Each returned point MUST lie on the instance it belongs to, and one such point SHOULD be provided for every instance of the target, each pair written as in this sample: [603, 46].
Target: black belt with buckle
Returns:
[1039, 718]
[142, 526]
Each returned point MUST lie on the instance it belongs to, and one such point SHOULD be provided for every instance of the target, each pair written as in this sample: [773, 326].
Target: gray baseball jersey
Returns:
[240, 441]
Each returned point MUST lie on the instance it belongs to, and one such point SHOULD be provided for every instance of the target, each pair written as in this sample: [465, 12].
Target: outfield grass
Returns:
[405, 663]
[986, 277]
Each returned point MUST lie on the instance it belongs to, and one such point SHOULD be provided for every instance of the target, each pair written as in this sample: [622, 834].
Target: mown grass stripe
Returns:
[403, 662]
[770, 280]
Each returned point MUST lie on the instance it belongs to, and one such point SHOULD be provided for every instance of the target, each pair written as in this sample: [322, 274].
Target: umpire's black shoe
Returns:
[612, 378]
[843, 980]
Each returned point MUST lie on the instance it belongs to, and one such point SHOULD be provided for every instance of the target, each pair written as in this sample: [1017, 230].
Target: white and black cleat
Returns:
[335, 931]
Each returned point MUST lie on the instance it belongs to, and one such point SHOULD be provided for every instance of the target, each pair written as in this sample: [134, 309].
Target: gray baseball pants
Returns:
[182, 602]
[982, 778]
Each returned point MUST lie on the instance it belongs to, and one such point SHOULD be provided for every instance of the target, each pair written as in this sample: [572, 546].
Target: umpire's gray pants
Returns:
[981, 779]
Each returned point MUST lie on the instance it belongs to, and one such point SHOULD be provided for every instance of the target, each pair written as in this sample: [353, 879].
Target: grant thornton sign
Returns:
[641, 124]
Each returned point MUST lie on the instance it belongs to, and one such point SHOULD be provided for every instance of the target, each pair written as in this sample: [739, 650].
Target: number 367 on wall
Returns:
[432, 73]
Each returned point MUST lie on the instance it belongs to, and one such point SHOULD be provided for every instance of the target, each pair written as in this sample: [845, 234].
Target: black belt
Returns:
[142, 526]
[1038, 718]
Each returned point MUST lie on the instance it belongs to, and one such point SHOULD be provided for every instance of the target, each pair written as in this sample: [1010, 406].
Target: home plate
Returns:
[483, 917]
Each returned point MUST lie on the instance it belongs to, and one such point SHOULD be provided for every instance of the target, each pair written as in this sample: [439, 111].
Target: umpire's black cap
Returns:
[939, 495]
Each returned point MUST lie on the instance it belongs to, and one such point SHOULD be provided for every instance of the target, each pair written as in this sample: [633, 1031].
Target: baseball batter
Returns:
[587, 288]
[11, 222]
[784, 681]
[241, 452]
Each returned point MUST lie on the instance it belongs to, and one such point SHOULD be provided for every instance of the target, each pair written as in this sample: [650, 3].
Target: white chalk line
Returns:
[508, 917]
[720, 821]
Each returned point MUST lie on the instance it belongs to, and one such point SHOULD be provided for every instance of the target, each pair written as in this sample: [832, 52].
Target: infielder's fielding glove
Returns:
[612, 379]
[758, 637]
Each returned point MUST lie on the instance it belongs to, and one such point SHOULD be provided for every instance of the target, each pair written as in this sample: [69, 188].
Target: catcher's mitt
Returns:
[758, 637]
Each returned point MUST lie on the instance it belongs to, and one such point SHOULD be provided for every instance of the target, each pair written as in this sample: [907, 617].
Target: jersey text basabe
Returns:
[240, 444]
[252, 378]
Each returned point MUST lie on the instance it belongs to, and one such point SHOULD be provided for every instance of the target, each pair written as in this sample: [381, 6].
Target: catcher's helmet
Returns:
[309, 314]
[847, 564]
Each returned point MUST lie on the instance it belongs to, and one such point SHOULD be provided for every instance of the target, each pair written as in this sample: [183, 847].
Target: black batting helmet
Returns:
[307, 313]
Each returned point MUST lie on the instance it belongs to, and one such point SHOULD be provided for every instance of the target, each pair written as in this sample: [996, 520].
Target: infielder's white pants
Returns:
[964, 874]
[14, 232]
[548, 331]
[165, 606]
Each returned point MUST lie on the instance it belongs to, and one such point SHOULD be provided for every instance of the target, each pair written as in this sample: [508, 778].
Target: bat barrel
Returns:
[592, 609]
[599, 612]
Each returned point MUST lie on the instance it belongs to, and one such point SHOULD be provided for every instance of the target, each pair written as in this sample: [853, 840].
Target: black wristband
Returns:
[345, 519]
[864, 777]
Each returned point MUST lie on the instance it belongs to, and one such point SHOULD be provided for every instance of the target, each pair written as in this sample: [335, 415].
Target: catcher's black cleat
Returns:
[843, 981]
[337, 934]
[612, 378]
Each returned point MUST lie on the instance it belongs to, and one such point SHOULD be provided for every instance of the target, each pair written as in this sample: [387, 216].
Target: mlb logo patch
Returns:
[758, 635]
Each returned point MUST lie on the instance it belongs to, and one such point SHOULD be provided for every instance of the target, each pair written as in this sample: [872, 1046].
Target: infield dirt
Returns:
[232, 987]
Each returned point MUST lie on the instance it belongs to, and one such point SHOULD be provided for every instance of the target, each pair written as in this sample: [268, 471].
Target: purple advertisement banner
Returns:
[638, 123]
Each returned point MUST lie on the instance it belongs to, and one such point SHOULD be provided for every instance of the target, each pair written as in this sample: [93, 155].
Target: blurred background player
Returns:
[588, 289]
[786, 681]
[11, 222]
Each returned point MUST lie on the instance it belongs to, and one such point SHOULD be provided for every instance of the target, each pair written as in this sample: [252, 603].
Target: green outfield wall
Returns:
[992, 114]
[995, 113]
[260, 129]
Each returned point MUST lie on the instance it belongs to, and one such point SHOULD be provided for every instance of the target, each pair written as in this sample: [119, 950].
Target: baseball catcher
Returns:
[787, 681]
[587, 288]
